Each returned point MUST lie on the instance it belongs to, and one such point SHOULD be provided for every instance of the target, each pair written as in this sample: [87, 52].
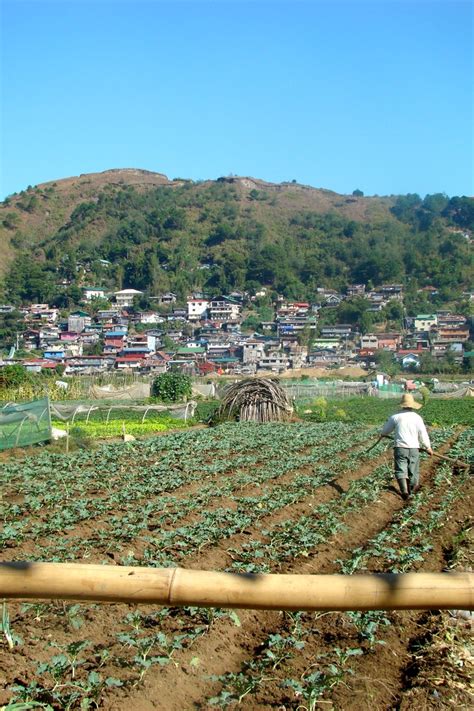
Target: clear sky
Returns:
[340, 94]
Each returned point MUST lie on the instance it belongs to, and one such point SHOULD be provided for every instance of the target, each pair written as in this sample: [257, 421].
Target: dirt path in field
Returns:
[378, 683]
[381, 677]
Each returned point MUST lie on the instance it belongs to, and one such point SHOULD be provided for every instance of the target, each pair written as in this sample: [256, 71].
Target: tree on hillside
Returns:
[435, 203]
[366, 322]
[383, 264]
[405, 207]
[460, 210]
[11, 324]
[386, 362]
[351, 310]
[28, 281]
[171, 387]
[93, 349]
[306, 337]
[72, 296]
[393, 311]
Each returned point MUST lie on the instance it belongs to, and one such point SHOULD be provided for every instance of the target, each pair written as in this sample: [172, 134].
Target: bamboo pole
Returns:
[179, 587]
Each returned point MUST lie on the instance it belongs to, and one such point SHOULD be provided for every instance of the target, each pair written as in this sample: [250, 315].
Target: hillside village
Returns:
[214, 334]
[129, 271]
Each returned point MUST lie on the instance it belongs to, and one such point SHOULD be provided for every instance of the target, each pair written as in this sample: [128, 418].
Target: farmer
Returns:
[409, 430]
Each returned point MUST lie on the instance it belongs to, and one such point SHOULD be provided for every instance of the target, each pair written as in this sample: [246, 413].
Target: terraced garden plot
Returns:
[298, 498]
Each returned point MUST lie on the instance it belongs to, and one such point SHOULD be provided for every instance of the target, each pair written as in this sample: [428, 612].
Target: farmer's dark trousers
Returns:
[407, 465]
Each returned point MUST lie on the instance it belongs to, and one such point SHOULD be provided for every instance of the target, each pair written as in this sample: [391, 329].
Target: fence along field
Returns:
[293, 498]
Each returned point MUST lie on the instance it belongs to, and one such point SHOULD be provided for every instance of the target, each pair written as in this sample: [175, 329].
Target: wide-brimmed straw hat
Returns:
[408, 401]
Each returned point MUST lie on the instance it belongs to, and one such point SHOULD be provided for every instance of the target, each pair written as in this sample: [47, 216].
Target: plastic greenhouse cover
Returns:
[25, 423]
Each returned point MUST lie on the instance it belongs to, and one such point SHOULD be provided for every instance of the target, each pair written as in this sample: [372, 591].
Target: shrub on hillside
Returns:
[171, 387]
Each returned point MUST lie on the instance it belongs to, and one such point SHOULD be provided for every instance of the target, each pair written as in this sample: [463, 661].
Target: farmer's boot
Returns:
[404, 488]
[414, 483]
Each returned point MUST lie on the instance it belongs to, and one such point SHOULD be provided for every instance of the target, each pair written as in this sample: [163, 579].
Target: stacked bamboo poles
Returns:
[179, 587]
[255, 400]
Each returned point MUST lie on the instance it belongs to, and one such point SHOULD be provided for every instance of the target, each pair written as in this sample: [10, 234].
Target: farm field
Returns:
[371, 410]
[303, 497]
[99, 425]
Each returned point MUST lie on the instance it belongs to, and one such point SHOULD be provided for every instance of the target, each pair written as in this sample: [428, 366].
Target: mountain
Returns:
[136, 228]
[35, 214]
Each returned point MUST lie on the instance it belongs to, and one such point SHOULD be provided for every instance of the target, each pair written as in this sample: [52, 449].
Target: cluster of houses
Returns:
[436, 334]
[206, 335]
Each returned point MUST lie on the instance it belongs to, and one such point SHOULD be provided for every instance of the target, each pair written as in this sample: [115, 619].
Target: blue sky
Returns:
[375, 95]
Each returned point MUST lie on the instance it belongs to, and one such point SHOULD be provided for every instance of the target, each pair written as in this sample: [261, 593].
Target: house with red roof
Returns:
[130, 361]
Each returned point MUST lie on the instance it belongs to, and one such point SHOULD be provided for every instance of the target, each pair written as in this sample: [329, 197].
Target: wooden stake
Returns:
[179, 587]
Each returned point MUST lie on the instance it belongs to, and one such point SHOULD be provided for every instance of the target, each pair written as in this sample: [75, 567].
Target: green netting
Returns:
[321, 388]
[392, 388]
[24, 424]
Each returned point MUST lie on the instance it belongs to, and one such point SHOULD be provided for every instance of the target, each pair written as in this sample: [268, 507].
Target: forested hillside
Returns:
[138, 229]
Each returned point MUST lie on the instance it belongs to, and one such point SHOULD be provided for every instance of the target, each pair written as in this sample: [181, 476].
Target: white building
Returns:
[151, 317]
[197, 309]
[78, 321]
[252, 351]
[274, 360]
[423, 322]
[43, 312]
[125, 297]
[224, 310]
[93, 292]
[369, 340]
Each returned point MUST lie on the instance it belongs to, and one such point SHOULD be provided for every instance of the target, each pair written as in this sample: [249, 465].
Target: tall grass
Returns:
[43, 388]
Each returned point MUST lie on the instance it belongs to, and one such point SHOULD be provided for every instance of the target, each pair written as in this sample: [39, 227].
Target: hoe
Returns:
[458, 463]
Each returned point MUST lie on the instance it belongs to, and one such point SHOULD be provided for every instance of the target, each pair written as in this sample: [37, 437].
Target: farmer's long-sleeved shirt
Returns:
[409, 430]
